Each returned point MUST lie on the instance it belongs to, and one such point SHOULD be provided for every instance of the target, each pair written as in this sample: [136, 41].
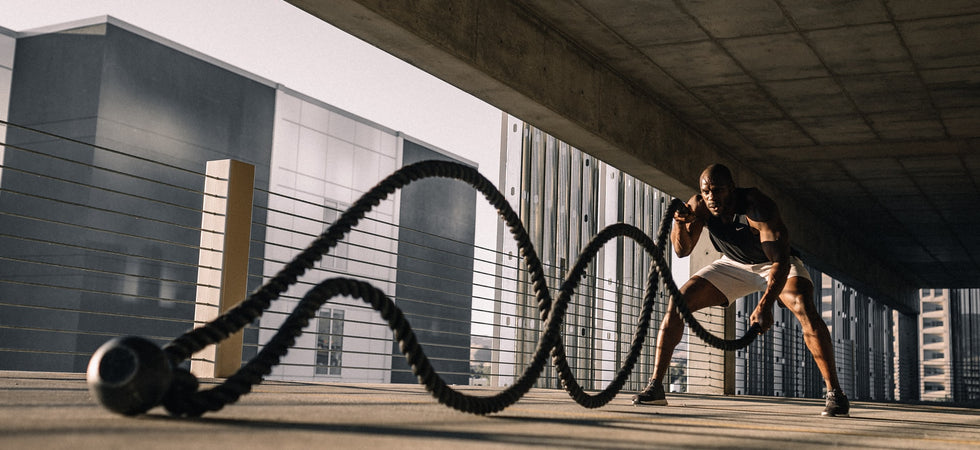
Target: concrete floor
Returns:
[55, 410]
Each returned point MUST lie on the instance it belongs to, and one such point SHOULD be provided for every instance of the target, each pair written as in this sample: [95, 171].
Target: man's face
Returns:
[717, 196]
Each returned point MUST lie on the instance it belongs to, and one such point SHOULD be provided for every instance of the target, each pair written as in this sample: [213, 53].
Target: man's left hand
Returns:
[762, 316]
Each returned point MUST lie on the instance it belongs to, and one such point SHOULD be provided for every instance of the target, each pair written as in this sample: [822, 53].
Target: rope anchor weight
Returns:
[130, 375]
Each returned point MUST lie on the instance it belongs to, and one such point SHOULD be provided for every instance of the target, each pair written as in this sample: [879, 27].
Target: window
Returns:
[337, 258]
[329, 341]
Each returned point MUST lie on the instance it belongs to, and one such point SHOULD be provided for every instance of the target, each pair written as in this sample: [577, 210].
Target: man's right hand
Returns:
[687, 227]
[684, 214]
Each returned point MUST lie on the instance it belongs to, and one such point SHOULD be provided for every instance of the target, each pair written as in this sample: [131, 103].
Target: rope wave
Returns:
[184, 398]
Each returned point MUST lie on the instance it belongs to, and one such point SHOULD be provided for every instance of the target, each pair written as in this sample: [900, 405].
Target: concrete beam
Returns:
[501, 53]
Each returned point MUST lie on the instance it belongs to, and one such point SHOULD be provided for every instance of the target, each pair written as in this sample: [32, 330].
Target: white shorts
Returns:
[735, 279]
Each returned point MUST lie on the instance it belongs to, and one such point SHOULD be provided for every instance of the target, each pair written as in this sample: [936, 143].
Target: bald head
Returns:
[717, 189]
[717, 174]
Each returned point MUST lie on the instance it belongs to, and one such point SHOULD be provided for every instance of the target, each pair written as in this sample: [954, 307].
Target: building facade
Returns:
[950, 345]
[565, 197]
[964, 308]
[102, 86]
[934, 345]
[101, 193]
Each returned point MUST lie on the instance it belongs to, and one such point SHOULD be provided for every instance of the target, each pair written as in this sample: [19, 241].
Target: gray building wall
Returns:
[907, 365]
[435, 276]
[564, 197]
[88, 252]
[964, 305]
[104, 85]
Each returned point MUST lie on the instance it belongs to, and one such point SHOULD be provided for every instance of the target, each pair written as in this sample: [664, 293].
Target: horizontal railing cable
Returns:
[98, 313]
[90, 270]
[378, 235]
[166, 279]
[106, 149]
[430, 261]
[186, 401]
[69, 182]
[428, 288]
[110, 211]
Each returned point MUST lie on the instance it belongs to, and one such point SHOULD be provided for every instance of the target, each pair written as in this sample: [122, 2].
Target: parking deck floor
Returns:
[55, 410]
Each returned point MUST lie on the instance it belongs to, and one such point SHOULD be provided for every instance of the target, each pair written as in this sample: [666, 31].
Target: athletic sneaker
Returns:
[652, 395]
[837, 404]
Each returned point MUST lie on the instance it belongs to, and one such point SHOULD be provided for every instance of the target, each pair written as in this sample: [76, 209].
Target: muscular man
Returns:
[745, 226]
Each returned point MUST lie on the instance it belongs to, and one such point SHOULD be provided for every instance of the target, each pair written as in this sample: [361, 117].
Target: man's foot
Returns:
[837, 404]
[652, 395]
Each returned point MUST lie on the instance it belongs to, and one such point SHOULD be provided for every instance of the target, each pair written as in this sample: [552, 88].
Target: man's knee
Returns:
[700, 293]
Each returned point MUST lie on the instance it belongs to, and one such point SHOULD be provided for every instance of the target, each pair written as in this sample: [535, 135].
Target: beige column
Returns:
[222, 273]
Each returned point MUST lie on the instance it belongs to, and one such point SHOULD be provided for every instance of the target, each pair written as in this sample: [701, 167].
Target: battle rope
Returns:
[182, 398]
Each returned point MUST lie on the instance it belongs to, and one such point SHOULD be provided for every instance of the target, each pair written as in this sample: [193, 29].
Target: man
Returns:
[745, 226]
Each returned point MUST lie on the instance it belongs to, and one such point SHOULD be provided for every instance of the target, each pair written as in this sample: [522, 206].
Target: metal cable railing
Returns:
[476, 308]
[80, 241]
[90, 250]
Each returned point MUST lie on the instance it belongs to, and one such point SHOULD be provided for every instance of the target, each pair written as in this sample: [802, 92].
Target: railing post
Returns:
[222, 273]
[729, 366]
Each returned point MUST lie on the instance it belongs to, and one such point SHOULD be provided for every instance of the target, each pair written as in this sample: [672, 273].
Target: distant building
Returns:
[863, 333]
[964, 306]
[80, 265]
[934, 345]
[565, 197]
[950, 367]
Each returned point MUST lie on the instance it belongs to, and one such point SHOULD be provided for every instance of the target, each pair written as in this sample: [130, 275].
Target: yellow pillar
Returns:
[222, 274]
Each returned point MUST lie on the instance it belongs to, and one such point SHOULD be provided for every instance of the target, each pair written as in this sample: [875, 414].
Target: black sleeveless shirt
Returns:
[737, 240]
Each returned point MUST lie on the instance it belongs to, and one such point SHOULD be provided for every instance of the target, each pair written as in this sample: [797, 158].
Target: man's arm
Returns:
[764, 217]
[687, 228]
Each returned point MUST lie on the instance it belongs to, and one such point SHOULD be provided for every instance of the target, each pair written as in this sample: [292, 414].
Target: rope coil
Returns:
[184, 399]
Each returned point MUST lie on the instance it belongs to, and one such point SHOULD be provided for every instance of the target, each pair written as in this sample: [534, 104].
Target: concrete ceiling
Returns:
[868, 111]
[865, 113]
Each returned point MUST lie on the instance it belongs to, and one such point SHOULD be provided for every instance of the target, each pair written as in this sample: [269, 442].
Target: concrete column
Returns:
[907, 357]
[222, 273]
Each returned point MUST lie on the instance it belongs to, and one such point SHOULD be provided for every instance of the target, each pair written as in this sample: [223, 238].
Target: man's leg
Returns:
[797, 296]
[698, 294]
